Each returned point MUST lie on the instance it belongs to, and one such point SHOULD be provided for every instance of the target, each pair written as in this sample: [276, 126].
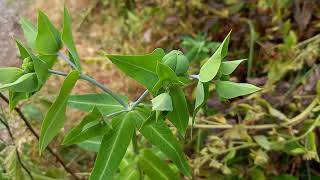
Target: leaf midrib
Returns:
[139, 67]
[155, 168]
[170, 145]
[96, 104]
[123, 121]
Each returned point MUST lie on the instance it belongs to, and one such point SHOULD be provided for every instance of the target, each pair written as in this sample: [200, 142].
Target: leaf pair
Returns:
[91, 126]
[116, 142]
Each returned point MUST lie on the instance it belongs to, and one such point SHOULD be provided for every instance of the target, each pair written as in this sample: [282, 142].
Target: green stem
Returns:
[96, 83]
[140, 99]
[105, 89]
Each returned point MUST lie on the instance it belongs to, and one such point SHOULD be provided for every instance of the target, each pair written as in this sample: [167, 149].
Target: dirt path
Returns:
[10, 11]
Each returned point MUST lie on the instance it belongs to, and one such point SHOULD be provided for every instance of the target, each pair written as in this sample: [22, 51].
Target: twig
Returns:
[96, 83]
[16, 149]
[65, 58]
[141, 98]
[21, 115]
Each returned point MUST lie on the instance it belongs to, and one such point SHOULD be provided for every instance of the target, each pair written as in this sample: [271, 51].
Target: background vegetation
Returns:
[244, 138]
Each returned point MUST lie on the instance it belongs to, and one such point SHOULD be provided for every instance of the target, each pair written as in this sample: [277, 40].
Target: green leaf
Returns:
[166, 77]
[29, 31]
[228, 89]
[66, 37]
[91, 126]
[55, 116]
[113, 147]
[104, 102]
[202, 94]
[26, 83]
[9, 74]
[129, 173]
[48, 40]
[311, 145]
[41, 69]
[142, 68]
[40, 66]
[48, 59]
[15, 97]
[162, 103]
[180, 114]
[92, 145]
[210, 69]
[154, 167]
[161, 136]
[227, 67]
[24, 52]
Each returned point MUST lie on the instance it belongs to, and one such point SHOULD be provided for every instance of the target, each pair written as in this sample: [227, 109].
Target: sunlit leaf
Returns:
[67, 39]
[180, 114]
[142, 68]
[9, 74]
[227, 67]
[25, 83]
[202, 93]
[48, 37]
[210, 69]
[162, 102]
[55, 116]
[104, 102]
[29, 31]
[228, 89]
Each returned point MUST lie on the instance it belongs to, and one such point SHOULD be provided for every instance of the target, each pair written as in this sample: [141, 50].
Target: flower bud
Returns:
[176, 61]
[27, 65]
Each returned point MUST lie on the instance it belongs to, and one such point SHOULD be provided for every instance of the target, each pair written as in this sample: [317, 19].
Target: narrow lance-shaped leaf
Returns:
[161, 136]
[113, 147]
[55, 116]
[15, 97]
[129, 173]
[92, 144]
[9, 74]
[142, 68]
[154, 167]
[91, 126]
[202, 93]
[180, 114]
[24, 52]
[162, 102]
[104, 102]
[26, 83]
[228, 89]
[48, 37]
[227, 67]
[67, 39]
[210, 69]
[29, 31]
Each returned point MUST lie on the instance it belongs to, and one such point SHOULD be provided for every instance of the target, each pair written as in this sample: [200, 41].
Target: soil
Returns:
[10, 11]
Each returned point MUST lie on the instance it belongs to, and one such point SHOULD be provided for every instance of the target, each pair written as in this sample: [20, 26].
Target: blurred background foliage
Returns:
[280, 39]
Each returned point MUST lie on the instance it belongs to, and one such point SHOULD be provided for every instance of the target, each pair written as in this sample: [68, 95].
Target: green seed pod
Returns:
[178, 62]
[27, 65]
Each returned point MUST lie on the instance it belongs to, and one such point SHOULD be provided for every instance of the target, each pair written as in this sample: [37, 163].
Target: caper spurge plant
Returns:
[112, 116]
